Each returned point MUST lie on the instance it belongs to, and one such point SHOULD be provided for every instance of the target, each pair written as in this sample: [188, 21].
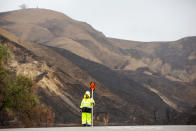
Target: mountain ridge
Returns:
[58, 30]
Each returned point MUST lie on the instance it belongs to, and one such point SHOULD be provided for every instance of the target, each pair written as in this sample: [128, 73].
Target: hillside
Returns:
[175, 60]
[19, 102]
[53, 28]
[62, 87]
[137, 82]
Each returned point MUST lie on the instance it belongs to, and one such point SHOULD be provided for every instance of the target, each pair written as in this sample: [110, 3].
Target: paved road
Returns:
[110, 128]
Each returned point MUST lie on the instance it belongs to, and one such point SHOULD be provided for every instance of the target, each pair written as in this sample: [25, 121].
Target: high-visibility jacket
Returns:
[87, 104]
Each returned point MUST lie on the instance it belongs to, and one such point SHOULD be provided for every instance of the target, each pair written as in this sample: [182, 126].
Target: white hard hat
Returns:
[87, 92]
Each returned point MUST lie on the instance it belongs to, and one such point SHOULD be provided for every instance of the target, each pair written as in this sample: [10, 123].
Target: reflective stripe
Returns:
[83, 122]
[89, 122]
[86, 103]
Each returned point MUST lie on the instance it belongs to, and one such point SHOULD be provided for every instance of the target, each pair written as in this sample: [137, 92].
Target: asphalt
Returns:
[110, 128]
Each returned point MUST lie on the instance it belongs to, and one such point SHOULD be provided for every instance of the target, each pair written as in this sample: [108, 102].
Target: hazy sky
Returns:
[141, 20]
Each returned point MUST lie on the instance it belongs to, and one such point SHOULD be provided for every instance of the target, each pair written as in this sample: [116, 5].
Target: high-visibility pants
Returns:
[86, 118]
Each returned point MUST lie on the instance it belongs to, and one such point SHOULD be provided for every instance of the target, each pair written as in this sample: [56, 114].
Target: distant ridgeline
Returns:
[19, 104]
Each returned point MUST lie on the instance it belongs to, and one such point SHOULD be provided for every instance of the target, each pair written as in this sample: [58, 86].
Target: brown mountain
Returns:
[55, 29]
[176, 60]
[137, 82]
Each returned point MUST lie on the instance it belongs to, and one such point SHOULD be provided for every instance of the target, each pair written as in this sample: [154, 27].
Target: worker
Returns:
[86, 109]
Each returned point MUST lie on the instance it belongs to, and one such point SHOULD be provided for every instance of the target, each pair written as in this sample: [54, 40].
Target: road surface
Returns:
[110, 128]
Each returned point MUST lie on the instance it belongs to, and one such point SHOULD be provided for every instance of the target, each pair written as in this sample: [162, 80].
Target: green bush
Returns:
[5, 82]
[4, 54]
[21, 94]
[17, 93]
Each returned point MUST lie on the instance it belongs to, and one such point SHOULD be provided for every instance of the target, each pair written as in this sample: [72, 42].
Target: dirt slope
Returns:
[62, 83]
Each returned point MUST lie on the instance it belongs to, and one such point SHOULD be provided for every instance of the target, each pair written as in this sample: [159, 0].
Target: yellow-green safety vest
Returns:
[87, 102]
